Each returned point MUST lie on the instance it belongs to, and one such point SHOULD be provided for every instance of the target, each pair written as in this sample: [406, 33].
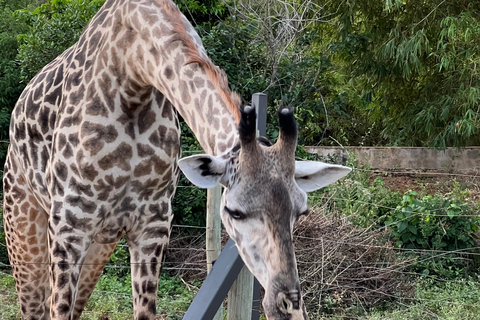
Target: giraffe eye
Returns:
[235, 214]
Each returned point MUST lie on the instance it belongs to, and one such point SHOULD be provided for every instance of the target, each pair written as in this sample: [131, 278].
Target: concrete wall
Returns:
[451, 159]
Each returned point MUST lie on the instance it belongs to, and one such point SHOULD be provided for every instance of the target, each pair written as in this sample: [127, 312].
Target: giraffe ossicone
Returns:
[94, 155]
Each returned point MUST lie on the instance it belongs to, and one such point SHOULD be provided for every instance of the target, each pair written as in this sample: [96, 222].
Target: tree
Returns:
[53, 27]
[11, 84]
[266, 46]
[413, 68]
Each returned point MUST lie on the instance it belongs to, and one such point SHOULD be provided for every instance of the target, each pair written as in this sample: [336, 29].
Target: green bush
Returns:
[433, 223]
[436, 234]
[53, 27]
[367, 203]
[189, 202]
[11, 84]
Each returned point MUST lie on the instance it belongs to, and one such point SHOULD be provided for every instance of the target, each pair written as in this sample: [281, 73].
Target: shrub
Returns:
[366, 203]
[433, 223]
[54, 26]
[189, 202]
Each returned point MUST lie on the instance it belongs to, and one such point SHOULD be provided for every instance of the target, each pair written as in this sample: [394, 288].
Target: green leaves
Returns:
[419, 59]
[202, 11]
[433, 223]
[53, 27]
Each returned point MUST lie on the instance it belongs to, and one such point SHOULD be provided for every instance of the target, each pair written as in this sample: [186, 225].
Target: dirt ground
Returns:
[432, 183]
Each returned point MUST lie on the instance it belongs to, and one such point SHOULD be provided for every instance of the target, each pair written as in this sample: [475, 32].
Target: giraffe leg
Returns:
[26, 237]
[146, 251]
[68, 249]
[146, 266]
[97, 256]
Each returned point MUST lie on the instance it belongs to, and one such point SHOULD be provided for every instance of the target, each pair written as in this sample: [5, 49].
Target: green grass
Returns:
[450, 300]
[10, 309]
[453, 299]
[111, 299]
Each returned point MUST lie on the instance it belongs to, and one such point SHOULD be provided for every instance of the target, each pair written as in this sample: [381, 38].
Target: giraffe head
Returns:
[265, 193]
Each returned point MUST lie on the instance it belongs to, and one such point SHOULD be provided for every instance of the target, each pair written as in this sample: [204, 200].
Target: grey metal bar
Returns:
[256, 300]
[259, 101]
[216, 285]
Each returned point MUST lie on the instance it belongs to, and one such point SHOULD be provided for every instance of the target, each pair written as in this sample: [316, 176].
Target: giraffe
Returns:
[95, 154]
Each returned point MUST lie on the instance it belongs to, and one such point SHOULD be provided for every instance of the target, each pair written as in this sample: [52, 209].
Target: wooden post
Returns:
[214, 233]
[240, 296]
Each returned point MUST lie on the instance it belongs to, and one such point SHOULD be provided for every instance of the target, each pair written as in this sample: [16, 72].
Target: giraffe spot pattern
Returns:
[98, 136]
[68, 117]
[169, 73]
[146, 118]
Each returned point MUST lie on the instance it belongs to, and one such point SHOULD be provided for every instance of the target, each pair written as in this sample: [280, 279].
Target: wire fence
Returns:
[199, 265]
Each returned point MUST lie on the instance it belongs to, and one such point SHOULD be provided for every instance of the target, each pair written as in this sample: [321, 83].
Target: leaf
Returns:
[451, 213]
[412, 229]
[402, 225]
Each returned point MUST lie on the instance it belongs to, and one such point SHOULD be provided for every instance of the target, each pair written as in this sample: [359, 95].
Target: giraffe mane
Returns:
[217, 75]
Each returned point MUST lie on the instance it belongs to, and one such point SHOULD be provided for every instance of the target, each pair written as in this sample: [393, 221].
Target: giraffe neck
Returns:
[157, 47]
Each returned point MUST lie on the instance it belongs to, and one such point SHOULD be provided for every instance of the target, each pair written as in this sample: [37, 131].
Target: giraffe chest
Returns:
[114, 171]
[133, 177]
[123, 154]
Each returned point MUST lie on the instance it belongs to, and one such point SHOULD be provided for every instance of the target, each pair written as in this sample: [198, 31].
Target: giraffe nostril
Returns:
[284, 303]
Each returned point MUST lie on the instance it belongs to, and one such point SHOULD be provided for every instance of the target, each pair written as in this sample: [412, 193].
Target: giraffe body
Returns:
[94, 148]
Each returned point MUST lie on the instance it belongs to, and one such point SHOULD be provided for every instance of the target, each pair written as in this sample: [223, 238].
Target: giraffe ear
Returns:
[203, 170]
[313, 175]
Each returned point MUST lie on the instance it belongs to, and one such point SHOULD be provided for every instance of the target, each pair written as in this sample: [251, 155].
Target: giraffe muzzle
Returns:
[285, 305]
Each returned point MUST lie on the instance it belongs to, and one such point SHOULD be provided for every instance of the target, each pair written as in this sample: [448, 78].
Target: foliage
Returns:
[366, 203]
[204, 11]
[304, 83]
[229, 45]
[437, 233]
[10, 81]
[412, 68]
[120, 258]
[53, 27]
[189, 202]
[433, 223]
